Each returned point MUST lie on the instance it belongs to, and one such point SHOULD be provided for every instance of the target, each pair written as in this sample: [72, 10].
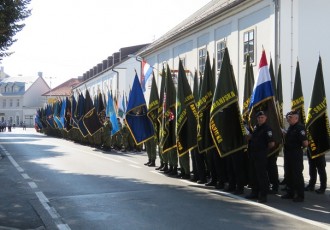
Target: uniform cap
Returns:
[260, 113]
[293, 112]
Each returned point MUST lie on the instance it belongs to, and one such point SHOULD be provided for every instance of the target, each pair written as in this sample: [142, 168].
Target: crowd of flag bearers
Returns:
[228, 148]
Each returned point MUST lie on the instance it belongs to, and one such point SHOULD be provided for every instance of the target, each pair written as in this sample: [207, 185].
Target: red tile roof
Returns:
[63, 89]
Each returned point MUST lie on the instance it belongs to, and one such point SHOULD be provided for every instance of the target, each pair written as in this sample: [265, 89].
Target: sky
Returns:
[65, 38]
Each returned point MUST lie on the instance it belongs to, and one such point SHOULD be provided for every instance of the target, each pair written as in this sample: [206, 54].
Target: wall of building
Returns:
[258, 15]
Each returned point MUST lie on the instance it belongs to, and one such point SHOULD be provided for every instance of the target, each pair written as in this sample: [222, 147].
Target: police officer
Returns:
[260, 141]
[295, 140]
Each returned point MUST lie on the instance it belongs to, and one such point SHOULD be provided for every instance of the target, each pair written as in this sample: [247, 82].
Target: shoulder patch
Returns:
[303, 133]
[270, 133]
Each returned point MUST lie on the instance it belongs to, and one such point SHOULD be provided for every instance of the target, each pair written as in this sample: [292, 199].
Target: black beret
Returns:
[260, 113]
[293, 112]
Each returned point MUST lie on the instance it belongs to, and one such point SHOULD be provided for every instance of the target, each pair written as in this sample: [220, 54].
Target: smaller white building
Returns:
[20, 97]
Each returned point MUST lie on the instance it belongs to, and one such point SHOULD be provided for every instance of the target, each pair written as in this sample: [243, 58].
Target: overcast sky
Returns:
[65, 38]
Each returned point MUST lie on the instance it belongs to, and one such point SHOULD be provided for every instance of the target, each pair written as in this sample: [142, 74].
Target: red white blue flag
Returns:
[146, 73]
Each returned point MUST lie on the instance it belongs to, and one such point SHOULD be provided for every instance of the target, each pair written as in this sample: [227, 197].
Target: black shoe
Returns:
[169, 170]
[201, 181]
[211, 183]
[262, 199]
[146, 164]
[220, 185]
[287, 196]
[164, 169]
[185, 177]
[320, 191]
[174, 172]
[309, 188]
[251, 196]
[298, 199]
[161, 166]
[152, 164]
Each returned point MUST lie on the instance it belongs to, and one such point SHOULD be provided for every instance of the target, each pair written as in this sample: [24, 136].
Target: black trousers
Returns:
[236, 170]
[317, 165]
[216, 166]
[273, 170]
[258, 172]
[294, 174]
[200, 164]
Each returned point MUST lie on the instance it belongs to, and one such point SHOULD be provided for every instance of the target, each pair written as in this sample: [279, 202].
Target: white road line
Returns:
[41, 196]
[33, 185]
[26, 176]
[15, 163]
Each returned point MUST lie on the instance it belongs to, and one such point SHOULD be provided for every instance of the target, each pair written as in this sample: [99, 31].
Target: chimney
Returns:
[39, 74]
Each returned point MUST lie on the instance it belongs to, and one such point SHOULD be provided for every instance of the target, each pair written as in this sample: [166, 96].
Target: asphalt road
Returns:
[49, 183]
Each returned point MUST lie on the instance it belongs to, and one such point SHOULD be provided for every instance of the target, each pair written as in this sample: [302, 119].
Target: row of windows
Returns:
[248, 44]
[4, 103]
[9, 89]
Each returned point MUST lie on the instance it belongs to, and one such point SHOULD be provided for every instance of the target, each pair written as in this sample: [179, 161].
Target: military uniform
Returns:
[293, 154]
[258, 149]
[151, 152]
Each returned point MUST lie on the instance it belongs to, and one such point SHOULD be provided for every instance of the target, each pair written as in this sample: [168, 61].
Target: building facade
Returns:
[288, 30]
[20, 97]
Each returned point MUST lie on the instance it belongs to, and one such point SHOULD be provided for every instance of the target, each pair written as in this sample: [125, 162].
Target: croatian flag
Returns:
[263, 99]
[262, 89]
[146, 72]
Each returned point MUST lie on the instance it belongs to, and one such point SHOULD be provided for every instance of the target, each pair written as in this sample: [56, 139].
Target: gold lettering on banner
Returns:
[181, 117]
[204, 99]
[317, 109]
[223, 100]
[216, 132]
[297, 101]
[153, 104]
[246, 104]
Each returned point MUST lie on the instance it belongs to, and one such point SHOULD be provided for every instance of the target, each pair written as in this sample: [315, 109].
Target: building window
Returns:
[17, 103]
[10, 102]
[249, 45]
[201, 59]
[220, 52]
[4, 103]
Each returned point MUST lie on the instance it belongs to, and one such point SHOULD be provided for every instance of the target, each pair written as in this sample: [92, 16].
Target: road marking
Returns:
[26, 176]
[33, 185]
[41, 196]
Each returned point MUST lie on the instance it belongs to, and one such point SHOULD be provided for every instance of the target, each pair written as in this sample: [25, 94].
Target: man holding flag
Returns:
[266, 138]
[318, 130]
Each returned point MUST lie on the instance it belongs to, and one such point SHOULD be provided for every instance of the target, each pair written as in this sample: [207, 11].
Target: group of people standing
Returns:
[254, 167]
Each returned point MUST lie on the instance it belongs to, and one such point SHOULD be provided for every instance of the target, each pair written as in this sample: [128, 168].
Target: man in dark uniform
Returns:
[317, 165]
[295, 140]
[260, 141]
